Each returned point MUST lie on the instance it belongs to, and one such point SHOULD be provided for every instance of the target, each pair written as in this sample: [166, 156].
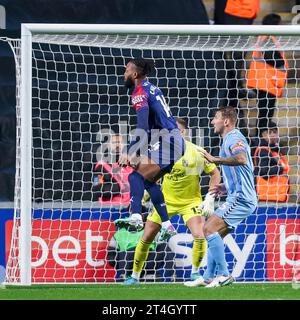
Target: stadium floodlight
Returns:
[70, 89]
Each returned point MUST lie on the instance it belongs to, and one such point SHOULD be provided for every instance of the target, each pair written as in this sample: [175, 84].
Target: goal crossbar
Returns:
[159, 29]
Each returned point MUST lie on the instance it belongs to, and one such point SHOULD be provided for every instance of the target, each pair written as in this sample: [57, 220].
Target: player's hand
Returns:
[133, 161]
[208, 157]
[208, 205]
[126, 160]
[218, 190]
[123, 160]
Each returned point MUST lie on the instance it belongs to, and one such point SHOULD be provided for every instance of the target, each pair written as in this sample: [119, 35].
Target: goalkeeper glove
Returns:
[208, 205]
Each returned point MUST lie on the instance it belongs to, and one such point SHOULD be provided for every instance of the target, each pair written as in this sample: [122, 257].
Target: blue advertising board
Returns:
[259, 249]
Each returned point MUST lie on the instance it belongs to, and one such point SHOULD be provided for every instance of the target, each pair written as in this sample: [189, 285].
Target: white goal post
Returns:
[64, 59]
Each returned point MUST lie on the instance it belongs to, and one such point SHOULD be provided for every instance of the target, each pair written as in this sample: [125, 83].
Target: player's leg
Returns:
[224, 220]
[152, 172]
[144, 177]
[195, 222]
[151, 168]
[212, 229]
[210, 271]
[195, 225]
[217, 268]
[166, 149]
[142, 251]
[137, 186]
[208, 275]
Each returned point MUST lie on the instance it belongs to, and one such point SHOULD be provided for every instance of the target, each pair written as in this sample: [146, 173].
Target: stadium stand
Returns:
[287, 109]
[7, 121]
[48, 183]
[64, 159]
[71, 11]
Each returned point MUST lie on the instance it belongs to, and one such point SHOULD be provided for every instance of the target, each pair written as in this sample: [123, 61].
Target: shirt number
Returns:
[164, 104]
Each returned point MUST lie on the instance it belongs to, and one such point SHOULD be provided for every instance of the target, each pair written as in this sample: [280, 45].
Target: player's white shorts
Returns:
[234, 211]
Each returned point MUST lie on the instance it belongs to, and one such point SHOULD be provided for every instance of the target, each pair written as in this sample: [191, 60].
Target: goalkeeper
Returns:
[181, 189]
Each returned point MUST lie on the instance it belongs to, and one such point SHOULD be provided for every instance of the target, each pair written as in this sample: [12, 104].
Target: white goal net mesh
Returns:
[81, 111]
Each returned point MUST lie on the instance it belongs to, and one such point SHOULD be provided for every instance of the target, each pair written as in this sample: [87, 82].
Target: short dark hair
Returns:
[182, 122]
[272, 126]
[271, 19]
[145, 66]
[228, 112]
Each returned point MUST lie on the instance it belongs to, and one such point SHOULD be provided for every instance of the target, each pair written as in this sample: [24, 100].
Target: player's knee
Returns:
[150, 231]
[149, 237]
[149, 184]
[198, 235]
[197, 232]
[133, 177]
[207, 230]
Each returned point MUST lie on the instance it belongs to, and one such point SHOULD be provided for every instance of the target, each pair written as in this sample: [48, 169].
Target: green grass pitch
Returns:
[236, 291]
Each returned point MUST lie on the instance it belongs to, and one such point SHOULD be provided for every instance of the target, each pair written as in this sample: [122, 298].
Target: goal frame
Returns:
[27, 30]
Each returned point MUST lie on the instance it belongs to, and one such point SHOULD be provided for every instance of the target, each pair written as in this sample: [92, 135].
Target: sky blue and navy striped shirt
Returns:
[239, 180]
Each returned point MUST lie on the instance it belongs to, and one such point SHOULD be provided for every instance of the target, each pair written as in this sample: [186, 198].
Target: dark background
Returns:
[64, 157]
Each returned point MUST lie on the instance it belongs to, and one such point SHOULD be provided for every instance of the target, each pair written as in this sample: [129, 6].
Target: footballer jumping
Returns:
[182, 192]
[156, 146]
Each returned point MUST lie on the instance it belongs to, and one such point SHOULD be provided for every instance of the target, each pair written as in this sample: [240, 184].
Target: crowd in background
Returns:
[239, 85]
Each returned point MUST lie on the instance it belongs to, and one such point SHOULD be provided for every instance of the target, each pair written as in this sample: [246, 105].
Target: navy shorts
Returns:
[167, 150]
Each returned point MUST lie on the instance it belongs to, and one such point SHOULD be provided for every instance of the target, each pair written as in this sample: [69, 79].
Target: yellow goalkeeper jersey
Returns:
[181, 186]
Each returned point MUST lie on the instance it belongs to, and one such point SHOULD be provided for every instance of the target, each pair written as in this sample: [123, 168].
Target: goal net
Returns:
[74, 113]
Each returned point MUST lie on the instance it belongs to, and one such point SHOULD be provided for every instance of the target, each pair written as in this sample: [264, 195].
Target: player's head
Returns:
[137, 70]
[270, 134]
[182, 126]
[224, 120]
[271, 19]
[116, 144]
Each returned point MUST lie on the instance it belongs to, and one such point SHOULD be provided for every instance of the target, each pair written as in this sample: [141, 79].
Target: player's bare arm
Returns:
[236, 160]
[218, 190]
[215, 179]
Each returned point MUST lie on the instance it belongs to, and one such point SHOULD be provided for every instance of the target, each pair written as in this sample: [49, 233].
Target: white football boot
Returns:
[220, 281]
[199, 282]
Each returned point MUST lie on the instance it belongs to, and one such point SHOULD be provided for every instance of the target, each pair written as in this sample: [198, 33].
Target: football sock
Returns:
[216, 247]
[157, 199]
[136, 182]
[140, 256]
[198, 252]
[195, 269]
[209, 272]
